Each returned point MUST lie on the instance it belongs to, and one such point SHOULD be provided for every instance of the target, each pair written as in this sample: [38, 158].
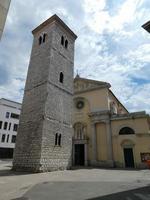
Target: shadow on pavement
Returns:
[136, 194]
[82, 191]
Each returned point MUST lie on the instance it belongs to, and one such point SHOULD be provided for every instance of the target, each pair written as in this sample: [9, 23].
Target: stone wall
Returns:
[47, 104]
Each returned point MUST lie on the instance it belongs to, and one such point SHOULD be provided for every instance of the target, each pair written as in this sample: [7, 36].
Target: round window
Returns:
[80, 104]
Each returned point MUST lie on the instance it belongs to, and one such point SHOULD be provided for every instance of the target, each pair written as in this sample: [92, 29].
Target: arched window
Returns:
[66, 44]
[40, 40]
[62, 40]
[44, 37]
[61, 77]
[56, 139]
[59, 140]
[79, 131]
[126, 131]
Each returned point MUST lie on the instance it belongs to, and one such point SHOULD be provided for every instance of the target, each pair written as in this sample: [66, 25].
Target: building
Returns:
[102, 132]
[146, 26]
[4, 6]
[44, 140]
[105, 133]
[9, 120]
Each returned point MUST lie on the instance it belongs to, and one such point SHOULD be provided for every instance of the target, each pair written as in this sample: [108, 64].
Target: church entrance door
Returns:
[79, 155]
[128, 157]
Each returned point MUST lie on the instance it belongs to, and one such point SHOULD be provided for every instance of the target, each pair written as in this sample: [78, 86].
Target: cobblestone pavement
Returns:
[79, 184]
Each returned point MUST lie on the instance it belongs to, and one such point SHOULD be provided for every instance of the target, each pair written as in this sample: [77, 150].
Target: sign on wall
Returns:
[145, 157]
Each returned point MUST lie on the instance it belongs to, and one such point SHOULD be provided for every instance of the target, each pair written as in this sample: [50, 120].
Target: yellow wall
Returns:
[101, 142]
[94, 100]
[140, 140]
[98, 100]
[140, 125]
[81, 115]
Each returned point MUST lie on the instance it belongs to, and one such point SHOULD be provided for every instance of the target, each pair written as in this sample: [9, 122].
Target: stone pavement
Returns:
[79, 184]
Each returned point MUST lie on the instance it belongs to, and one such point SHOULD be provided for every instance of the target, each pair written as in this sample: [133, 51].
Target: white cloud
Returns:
[96, 18]
[126, 14]
[13, 90]
[140, 54]
[111, 46]
[99, 19]
[94, 6]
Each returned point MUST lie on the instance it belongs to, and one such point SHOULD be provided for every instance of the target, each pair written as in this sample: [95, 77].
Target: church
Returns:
[105, 133]
[67, 122]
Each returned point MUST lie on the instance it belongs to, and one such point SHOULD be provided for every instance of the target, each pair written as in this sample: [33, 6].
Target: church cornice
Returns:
[133, 116]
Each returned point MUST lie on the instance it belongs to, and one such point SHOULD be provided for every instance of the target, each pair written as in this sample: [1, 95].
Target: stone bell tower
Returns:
[44, 140]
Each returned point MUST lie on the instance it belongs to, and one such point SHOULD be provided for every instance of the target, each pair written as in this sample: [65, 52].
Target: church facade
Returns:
[105, 133]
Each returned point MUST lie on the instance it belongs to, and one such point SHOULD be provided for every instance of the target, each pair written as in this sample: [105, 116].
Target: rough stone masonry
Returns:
[44, 140]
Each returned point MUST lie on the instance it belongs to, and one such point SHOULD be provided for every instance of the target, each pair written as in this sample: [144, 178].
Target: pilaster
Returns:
[94, 143]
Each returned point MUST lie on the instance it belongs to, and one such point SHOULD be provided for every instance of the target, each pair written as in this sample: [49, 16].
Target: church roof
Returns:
[84, 84]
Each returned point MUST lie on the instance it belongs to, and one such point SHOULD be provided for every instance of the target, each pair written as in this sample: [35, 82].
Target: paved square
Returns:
[103, 184]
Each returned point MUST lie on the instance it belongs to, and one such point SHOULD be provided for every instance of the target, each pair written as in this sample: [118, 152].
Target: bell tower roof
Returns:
[51, 20]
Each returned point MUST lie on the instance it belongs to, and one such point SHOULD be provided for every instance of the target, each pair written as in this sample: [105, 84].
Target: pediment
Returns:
[81, 85]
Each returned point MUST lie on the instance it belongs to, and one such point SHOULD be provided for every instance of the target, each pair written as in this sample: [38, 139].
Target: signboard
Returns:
[145, 157]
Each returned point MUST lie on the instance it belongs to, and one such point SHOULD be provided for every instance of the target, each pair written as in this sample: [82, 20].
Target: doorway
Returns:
[79, 155]
[128, 157]
[6, 152]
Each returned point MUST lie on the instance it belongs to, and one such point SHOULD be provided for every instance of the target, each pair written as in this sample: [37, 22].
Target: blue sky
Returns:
[111, 45]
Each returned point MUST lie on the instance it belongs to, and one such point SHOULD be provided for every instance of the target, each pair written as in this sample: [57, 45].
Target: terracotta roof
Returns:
[92, 81]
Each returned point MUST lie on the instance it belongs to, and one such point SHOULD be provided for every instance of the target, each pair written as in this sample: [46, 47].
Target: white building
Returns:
[9, 120]
[4, 6]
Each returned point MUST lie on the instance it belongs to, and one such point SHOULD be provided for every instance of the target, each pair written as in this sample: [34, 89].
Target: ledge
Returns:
[134, 115]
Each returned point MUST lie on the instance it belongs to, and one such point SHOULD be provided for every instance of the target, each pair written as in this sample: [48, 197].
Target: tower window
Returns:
[40, 40]
[56, 139]
[61, 77]
[59, 140]
[44, 37]
[66, 44]
[62, 40]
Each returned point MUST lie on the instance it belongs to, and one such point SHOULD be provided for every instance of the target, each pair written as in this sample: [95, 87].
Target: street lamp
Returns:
[146, 26]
